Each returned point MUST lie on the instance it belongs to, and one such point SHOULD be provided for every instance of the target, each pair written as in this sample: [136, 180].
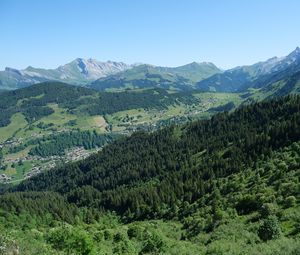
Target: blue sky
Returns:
[48, 33]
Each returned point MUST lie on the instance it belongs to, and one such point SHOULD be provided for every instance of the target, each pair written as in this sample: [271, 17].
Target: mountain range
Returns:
[204, 76]
[78, 72]
[145, 76]
[254, 76]
[106, 75]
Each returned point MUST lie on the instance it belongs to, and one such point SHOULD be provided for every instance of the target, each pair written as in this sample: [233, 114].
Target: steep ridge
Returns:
[258, 75]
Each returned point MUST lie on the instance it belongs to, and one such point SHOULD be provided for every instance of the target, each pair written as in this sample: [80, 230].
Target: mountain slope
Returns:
[229, 185]
[30, 100]
[194, 71]
[147, 76]
[133, 175]
[45, 124]
[242, 78]
[79, 72]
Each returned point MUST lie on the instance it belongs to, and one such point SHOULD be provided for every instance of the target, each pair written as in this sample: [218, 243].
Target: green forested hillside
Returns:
[175, 160]
[51, 111]
[228, 185]
[33, 102]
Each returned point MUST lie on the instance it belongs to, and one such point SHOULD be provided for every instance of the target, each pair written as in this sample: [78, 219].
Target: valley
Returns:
[187, 189]
[135, 98]
[149, 127]
[20, 136]
[153, 160]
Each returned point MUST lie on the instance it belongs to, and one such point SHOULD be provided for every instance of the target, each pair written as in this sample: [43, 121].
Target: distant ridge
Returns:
[203, 76]
[78, 72]
[244, 77]
[146, 76]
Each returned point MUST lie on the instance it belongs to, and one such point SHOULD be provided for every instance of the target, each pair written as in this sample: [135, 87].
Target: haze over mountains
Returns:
[203, 76]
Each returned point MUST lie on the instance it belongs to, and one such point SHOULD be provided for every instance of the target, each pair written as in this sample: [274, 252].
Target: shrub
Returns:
[118, 237]
[134, 232]
[71, 240]
[124, 247]
[267, 210]
[107, 234]
[290, 201]
[269, 229]
[98, 236]
[153, 245]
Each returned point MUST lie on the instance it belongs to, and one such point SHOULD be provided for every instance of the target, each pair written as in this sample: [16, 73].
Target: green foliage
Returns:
[8, 245]
[226, 107]
[34, 108]
[140, 175]
[153, 245]
[290, 201]
[40, 204]
[123, 248]
[269, 229]
[134, 232]
[247, 204]
[71, 240]
[56, 144]
[33, 102]
[267, 210]
[218, 186]
[108, 103]
[118, 237]
[34, 113]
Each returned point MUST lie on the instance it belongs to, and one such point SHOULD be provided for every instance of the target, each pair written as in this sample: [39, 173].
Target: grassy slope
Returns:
[20, 129]
[18, 122]
[196, 111]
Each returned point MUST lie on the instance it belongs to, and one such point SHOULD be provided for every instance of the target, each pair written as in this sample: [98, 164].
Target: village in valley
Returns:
[16, 169]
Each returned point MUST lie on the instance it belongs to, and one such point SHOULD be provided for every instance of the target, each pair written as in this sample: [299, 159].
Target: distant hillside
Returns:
[33, 101]
[79, 72]
[84, 71]
[255, 76]
[195, 71]
[147, 76]
[279, 84]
